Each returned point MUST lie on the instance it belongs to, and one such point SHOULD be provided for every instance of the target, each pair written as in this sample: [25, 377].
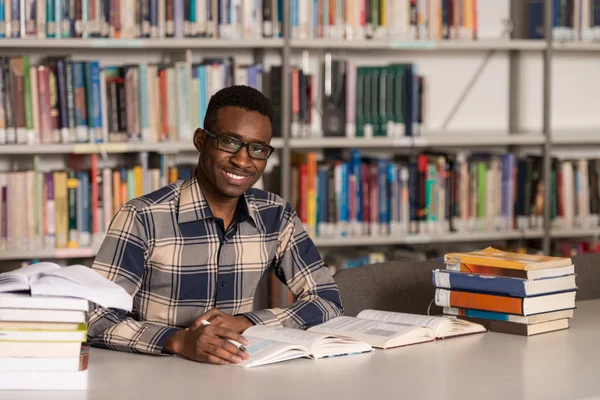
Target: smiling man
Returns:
[196, 250]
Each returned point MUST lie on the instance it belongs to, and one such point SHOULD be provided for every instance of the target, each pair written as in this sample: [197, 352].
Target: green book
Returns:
[382, 73]
[28, 104]
[360, 115]
[374, 100]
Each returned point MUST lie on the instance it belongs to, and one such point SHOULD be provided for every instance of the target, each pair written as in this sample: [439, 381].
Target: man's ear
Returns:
[199, 138]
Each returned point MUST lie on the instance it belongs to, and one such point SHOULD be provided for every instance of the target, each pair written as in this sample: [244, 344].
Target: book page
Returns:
[405, 318]
[83, 282]
[285, 335]
[18, 280]
[375, 333]
[265, 351]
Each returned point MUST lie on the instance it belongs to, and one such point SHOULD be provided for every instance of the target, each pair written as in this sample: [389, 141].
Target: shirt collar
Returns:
[193, 206]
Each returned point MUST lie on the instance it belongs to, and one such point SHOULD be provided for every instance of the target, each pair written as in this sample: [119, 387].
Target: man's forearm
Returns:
[109, 329]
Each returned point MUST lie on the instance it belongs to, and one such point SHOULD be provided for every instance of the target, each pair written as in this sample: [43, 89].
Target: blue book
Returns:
[344, 198]
[2, 20]
[519, 319]
[79, 89]
[203, 103]
[501, 285]
[536, 19]
[357, 172]
[94, 100]
[16, 18]
[50, 18]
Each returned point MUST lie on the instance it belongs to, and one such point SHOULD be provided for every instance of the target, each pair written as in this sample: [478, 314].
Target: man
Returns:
[196, 250]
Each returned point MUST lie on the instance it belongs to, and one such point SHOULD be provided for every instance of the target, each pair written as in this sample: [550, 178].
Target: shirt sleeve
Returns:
[300, 266]
[121, 259]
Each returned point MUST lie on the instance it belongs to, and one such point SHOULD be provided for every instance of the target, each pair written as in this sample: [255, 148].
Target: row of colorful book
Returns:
[125, 19]
[394, 20]
[522, 294]
[433, 193]
[72, 208]
[61, 100]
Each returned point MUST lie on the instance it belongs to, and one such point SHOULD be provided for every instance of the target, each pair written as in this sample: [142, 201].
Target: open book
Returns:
[384, 329]
[269, 344]
[78, 281]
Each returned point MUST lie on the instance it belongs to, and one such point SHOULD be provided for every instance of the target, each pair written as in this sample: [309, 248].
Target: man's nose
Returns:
[241, 159]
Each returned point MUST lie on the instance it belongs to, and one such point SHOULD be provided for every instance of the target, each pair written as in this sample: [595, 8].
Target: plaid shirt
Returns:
[177, 261]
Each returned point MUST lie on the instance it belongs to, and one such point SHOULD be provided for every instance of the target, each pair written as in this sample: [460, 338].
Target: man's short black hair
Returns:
[242, 96]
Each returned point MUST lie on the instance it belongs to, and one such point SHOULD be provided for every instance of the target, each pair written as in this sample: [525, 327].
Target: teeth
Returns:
[236, 177]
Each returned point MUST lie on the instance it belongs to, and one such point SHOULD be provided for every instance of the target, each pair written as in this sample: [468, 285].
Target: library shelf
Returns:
[145, 43]
[444, 139]
[322, 242]
[576, 137]
[42, 253]
[418, 45]
[94, 148]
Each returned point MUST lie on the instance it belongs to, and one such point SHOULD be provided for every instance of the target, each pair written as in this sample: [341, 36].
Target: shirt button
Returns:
[223, 283]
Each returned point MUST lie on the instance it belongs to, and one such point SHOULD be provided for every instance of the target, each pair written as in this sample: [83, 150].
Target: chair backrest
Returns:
[402, 286]
[587, 270]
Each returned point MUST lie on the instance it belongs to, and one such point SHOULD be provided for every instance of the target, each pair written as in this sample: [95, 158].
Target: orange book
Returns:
[491, 257]
[505, 304]
[139, 181]
[116, 191]
[311, 214]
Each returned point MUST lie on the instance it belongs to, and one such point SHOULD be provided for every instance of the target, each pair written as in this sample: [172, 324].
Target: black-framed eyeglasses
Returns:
[230, 144]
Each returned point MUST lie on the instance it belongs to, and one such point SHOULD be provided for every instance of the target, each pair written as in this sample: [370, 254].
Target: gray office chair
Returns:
[587, 270]
[402, 286]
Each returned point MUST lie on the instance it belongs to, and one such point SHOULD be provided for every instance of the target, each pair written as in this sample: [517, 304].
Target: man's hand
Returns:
[217, 317]
[208, 344]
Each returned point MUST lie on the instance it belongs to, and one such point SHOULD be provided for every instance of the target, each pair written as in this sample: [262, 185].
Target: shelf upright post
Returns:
[286, 104]
[547, 121]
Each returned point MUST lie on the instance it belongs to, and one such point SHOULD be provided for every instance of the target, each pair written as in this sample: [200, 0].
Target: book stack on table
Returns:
[506, 292]
[43, 324]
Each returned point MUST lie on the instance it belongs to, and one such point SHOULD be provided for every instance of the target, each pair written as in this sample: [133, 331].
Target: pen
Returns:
[233, 342]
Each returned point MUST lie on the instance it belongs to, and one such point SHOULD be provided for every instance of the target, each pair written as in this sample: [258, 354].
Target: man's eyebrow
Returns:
[238, 136]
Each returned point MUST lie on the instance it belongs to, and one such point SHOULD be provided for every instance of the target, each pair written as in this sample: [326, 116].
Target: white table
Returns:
[560, 365]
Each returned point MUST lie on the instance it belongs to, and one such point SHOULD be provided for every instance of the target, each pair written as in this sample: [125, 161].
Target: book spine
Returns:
[61, 76]
[28, 108]
[480, 283]
[79, 91]
[17, 74]
[72, 185]
[54, 108]
[70, 102]
[479, 301]
[93, 96]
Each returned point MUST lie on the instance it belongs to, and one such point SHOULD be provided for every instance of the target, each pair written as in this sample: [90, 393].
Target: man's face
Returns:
[232, 174]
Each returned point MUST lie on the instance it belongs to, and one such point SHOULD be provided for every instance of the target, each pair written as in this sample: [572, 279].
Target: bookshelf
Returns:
[287, 49]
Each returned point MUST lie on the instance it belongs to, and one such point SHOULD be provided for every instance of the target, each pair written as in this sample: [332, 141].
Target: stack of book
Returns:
[506, 292]
[43, 324]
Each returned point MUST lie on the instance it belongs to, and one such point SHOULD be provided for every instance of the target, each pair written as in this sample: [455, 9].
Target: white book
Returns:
[41, 315]
[384, 329]
[29, 364]
[26, 301]
[269, 344]
[44, 380]
[49, 279]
